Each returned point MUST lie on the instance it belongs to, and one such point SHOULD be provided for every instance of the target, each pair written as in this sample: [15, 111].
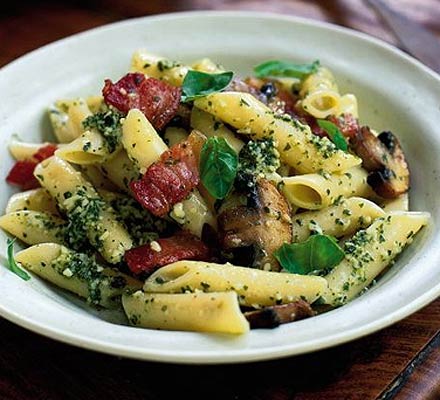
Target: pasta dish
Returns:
[195, 199]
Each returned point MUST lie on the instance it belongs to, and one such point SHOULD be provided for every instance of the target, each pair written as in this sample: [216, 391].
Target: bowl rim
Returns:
[232, 355]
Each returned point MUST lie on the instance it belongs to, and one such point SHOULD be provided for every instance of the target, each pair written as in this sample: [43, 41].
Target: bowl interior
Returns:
[394, 92]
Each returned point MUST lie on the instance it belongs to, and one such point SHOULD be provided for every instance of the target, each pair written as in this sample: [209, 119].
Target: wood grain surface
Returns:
[402, 361]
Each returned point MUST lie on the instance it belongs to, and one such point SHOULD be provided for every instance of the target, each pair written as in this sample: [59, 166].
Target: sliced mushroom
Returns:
[383, 157]
[252, 232]
[273, 316]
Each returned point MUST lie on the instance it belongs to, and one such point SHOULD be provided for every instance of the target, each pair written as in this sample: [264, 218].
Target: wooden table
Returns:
[401, 362]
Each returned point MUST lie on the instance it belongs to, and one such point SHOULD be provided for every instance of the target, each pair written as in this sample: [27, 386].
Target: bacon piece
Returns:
[158, 100]
[347, 124]
[183, 246]
[22, 173]
[168, 180]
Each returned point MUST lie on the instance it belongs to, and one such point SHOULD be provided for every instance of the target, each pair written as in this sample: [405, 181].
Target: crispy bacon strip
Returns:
[168, 180]
[158, 100]
[22, 173]
[149, 257]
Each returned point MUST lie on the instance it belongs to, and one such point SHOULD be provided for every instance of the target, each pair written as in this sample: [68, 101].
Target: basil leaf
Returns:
[286, 69]
[318, 252]
[218, 166]
[334, 133]
[199, 84]
[12, 265]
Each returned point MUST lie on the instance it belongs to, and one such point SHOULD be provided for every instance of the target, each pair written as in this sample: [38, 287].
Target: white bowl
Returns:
[395, 92]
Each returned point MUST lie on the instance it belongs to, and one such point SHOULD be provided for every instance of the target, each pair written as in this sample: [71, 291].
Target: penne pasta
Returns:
[401, 203]
[96, 177]
[254, 287]
[339, 220]
[158, 67]
[66, 117]
[298, 147]
[140, 140]
[89, 148]
[85, 209]
[77, 273]
[369, 252]
[210, 126]
[120, 170]
[23, 150]
[34, 199]
[201, 312]
[34, 227]
[320, 190]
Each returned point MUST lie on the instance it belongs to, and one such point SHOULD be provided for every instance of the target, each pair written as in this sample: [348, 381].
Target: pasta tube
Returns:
[317, 191]
[158, 67]
[369, 252]
[34, 227]
[34, 199]
[140, 140]
[88, 214]
[88, 148]
[120, 170]
[201, 312]
[298, 147]
[97, 178]
[401, 203]
[77, 273]
[24, 150]
[207, 65]
[320, 96]
[144, 147]
[66, 117]
[210, 126]
[254, 287]
[340, 220]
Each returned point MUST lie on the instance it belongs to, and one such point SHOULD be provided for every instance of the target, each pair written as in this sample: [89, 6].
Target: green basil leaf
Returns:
[318, 252]
[199, 84]
[12, 265]
[286, 69]
[218, 166]
[334, 133]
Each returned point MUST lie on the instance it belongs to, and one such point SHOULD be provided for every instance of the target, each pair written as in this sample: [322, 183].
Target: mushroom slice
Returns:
[383, 157]
[273, 316]
[252, 232]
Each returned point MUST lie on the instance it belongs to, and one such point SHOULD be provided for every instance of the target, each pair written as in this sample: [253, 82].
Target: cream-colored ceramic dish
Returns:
[394, 91]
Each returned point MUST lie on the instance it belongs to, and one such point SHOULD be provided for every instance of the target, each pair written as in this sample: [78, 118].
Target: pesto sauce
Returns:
[84, 268]
[257, 159]
[108, 124]
[83, 212]
[142, 225]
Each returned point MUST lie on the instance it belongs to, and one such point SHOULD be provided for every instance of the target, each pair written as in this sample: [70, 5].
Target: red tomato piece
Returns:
[45, 152]
[168, 180]
[22, 175]
[182, 246]
[157, 99]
